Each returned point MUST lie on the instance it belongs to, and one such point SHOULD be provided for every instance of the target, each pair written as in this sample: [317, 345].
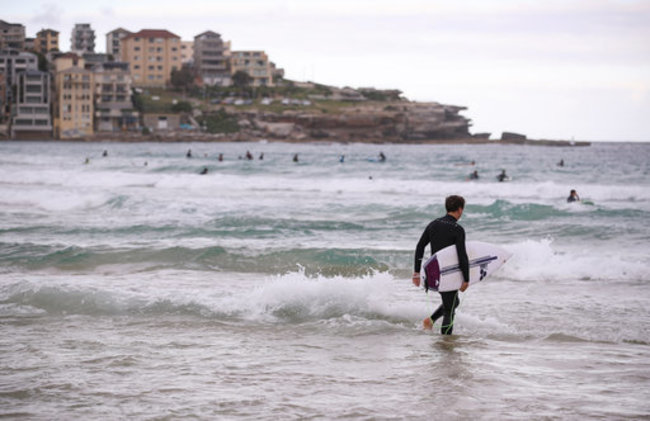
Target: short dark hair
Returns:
[453, 203]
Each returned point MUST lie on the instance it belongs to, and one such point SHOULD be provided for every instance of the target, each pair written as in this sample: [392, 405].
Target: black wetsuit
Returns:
[441, 233]
[572, 199]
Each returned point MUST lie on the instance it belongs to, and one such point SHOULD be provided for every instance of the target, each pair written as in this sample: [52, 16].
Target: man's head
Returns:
[455, 205]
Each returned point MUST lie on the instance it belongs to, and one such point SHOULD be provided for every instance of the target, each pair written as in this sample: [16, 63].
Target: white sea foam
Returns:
[539, 260]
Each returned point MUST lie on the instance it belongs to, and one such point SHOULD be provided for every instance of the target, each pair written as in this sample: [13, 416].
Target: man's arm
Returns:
[419, 252]
[463, 260]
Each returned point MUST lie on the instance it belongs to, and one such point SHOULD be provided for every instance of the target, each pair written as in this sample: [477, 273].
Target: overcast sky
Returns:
[554, 69]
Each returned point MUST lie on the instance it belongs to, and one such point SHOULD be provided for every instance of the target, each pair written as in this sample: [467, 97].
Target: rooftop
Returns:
[152, 33]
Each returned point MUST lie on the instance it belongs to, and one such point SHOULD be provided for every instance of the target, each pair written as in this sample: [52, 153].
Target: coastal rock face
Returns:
[387, 122]
[277, 130]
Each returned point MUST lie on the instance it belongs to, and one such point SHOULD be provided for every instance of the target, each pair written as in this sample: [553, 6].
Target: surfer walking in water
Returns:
[441, 233]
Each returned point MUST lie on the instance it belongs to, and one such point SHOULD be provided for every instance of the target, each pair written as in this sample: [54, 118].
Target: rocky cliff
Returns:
[382, 122]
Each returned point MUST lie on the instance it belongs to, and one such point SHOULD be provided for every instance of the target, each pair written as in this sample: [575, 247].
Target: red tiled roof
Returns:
[152, 33]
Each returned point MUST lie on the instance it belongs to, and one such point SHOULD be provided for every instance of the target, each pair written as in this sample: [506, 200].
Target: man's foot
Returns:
[427, 324]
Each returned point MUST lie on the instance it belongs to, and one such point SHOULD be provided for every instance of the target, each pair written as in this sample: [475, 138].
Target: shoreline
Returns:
[175, 137]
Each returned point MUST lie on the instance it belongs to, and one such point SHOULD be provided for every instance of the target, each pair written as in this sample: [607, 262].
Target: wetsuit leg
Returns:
[438, 313]
[449, 303]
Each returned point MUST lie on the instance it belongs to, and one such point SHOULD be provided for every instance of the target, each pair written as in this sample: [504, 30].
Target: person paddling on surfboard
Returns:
[573, 197]
[440, 233]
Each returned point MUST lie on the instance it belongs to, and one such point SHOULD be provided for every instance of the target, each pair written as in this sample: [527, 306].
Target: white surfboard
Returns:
[442, 272]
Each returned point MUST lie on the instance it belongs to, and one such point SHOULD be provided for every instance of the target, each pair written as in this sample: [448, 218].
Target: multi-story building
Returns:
[82, 39]
[152, 55]
[12, 35]
[46, 40]
[114, 42]
[73, 105]
[31, 110]
[12, 63]
[3, 107]
[113, 106]
[94, 59]
[255, 63]
[211, 59]
[30, 44]
[187, 51]
[276, 72]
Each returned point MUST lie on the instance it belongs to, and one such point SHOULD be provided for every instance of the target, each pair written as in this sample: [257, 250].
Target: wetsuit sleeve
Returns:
[463, 261]
[419, 251]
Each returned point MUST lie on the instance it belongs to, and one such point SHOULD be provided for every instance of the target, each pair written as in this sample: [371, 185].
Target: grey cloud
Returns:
[48, 14]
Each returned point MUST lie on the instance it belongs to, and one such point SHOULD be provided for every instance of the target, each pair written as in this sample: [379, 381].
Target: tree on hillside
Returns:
[241, 79]
[183, 78]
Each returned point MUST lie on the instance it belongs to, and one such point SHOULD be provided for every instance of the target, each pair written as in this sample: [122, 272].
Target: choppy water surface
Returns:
[274, 289]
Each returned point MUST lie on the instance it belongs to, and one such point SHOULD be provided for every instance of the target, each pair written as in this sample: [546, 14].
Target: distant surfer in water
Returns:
[473, 175]
[503, 176]
[573, 197]
[295, 158]
[440, 233]
[382, 157]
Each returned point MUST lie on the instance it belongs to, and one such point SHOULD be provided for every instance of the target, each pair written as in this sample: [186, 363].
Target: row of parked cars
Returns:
[263, 101]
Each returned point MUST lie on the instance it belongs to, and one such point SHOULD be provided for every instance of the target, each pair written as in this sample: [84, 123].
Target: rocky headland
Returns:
[341, 115]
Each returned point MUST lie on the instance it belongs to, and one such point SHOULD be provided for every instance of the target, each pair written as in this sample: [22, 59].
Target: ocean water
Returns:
[274, 289]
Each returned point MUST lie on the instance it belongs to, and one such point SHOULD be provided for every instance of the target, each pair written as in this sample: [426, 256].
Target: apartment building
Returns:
[211, 59]
[32, 118]
[12, 35]
[12, 63]
[255, 63]
[46, 40]
[94, 59]
[114, 42]
[187, 52]
[30, 44]
[276, 72]
[73, 105]
[82, 39]
[113, 106]
[152, 55]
